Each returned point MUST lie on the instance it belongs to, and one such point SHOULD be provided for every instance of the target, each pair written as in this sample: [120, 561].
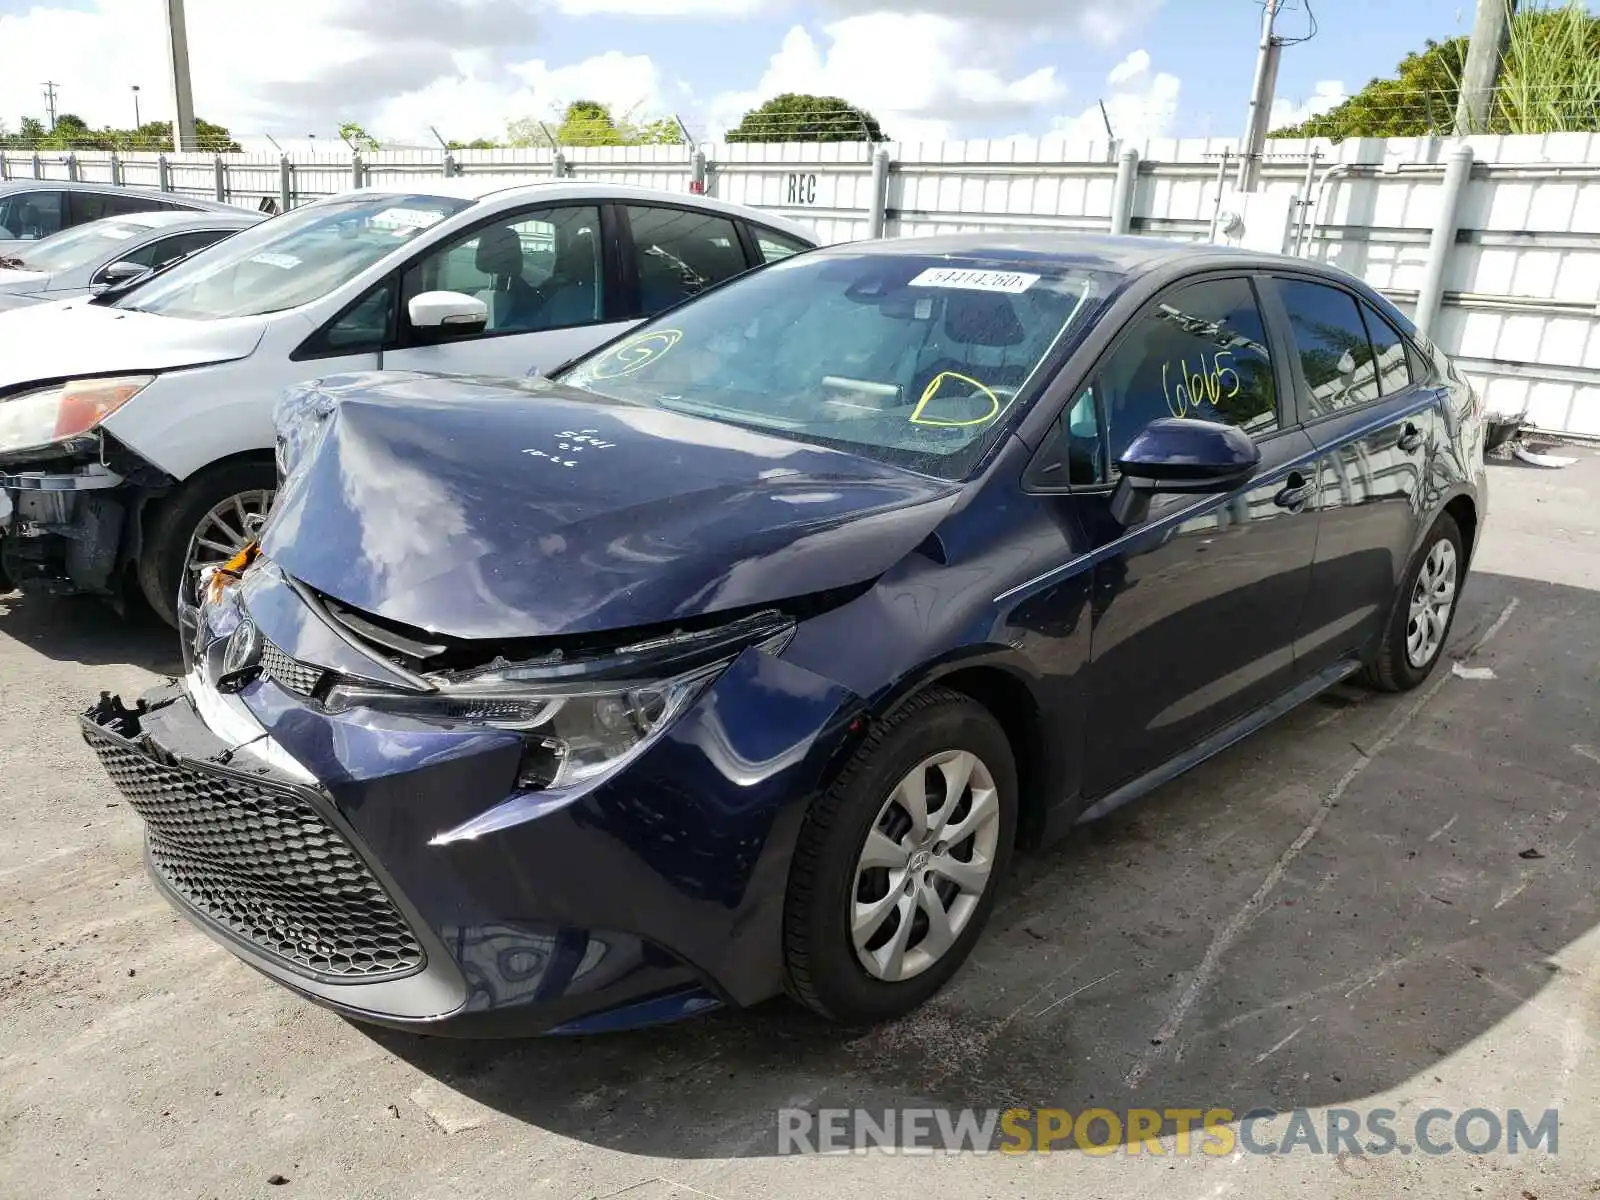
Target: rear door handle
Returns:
[1411, 439]
[1295, 493]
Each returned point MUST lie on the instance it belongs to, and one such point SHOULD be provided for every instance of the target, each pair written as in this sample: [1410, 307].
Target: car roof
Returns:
[179, 221]
[510, 188]
[192, 203]
[1056, 251]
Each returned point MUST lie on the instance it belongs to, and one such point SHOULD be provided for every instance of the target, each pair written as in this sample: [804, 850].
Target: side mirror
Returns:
[448, 313]
[120, 273]
[1181, 457]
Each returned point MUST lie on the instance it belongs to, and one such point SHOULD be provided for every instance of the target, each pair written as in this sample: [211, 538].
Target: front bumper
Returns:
[656, 893]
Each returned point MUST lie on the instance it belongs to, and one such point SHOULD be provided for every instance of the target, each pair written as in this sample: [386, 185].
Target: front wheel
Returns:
[207, 521]
[898, 863]
[1424, 610]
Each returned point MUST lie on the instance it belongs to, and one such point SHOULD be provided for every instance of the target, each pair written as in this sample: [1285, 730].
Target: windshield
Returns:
[913, 360]
[80, 247]
[290, 260]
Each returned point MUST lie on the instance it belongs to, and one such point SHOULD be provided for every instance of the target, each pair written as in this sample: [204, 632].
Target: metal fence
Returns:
[1502, 265]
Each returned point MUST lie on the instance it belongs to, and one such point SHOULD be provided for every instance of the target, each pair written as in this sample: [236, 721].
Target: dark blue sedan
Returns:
[740, 657]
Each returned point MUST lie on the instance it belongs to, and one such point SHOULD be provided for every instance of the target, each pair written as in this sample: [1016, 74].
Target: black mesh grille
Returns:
[289, 672]
[264, 864]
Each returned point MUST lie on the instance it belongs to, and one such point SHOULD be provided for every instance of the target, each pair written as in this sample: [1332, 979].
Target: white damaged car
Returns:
[136, 439]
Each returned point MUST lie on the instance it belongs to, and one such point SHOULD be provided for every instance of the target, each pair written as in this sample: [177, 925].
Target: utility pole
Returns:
[1491, 31]
[50, 102]
[182, 93]
[1261, 93]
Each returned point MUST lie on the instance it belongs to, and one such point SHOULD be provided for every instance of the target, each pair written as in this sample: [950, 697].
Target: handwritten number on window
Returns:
[1185, 394]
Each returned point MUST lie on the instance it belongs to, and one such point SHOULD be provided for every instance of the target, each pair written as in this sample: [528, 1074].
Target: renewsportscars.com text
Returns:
[1171, 1131]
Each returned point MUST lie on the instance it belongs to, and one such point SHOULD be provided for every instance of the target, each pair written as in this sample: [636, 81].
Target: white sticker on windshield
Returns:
[1013, 283]
[284, 262]
[407, 218]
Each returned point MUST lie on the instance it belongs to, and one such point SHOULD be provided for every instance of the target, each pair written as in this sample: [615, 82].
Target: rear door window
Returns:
[1335, 352]
[679, 253]
[1388, 351]
[774, 246]
[29, 216]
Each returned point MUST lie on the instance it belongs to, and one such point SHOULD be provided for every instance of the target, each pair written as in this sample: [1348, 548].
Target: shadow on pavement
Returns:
[1410, 921]
[85, 630]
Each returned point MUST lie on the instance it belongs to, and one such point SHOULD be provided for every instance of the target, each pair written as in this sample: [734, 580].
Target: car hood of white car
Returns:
[14, 280]
[47, 342]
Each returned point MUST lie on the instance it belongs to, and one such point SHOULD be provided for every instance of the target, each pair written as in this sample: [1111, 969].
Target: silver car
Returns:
[109, 252]
[32, 209]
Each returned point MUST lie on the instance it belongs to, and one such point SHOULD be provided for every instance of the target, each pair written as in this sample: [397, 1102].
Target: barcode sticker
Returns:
[1012, 283]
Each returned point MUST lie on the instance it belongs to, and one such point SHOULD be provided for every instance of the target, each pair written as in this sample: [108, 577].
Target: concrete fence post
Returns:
[5, 167]
[72, 167]
[1122, 193]
[558, 164]
[116, 168]
[1430, 295]
[38, 167]
[358, 170]
[878, 215]
[451, 167]
[697, 171]
[285, 184]
[219, 178]
[163, 173]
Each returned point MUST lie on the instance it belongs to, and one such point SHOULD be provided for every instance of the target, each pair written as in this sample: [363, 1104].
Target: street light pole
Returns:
[1261, 92]
[136, 121]
[182, 93]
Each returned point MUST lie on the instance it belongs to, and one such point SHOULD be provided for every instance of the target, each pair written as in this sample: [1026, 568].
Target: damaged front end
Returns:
[576, 834]
[71, 496]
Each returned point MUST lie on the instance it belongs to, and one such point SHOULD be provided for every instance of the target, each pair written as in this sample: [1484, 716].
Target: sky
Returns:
[927, 69]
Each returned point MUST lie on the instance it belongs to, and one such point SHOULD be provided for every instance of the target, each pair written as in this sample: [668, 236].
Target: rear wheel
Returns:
[206, 522]
[898, 863]
[1424, 611]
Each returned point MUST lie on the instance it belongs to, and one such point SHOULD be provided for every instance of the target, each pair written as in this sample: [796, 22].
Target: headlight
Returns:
[574, 731]
[64, 410]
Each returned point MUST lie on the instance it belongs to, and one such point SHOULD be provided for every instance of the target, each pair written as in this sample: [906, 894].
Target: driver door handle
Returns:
[1295, 493]
[1410, 439]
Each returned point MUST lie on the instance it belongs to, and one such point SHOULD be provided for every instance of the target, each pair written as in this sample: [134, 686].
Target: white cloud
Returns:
[478, 103]
[919, 74]
[1329, 94]
[1130, 68]
[667, 8]
[1139, 105]
[1106, 22]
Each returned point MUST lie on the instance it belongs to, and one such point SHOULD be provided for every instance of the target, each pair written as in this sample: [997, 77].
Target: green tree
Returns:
[1549, 83]
[590, 123]
[357, 138]
[793, 117]
[474, 144]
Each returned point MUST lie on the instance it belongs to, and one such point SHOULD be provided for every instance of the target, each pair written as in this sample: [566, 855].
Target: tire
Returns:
[1393, 668]
[170, 534]
[829, 887]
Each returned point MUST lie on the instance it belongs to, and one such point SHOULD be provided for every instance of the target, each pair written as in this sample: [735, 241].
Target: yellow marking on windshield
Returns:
[631, 355]
[932, 393]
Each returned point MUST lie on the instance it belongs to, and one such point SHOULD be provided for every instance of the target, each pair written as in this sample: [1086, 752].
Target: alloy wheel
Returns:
[1432, 601]
[926, 865]
[225, 530]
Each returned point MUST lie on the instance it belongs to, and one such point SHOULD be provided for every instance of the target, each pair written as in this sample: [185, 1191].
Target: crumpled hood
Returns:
[482, 508]
[58, 341]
